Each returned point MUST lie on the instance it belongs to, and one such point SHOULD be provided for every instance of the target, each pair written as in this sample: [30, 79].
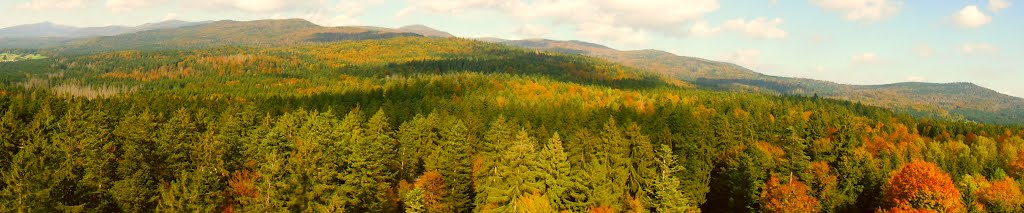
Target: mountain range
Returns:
[958, 100]
[48, 29]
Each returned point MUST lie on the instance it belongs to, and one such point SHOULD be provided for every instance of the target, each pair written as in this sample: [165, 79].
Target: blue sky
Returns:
[845, 41]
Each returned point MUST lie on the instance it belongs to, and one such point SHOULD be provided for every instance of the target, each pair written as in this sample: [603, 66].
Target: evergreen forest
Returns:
[404, 123]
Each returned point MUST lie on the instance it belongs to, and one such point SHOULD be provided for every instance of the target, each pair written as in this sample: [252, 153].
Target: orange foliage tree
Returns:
[434, 190]
[1002, 196]
[921, 185]
[791, 196]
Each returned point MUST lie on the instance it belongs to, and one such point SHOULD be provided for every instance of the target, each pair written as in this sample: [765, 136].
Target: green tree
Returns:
[453, 153]
[135, 189]
[414, 201]
[643, 164]
[518, 174]
[667, 194]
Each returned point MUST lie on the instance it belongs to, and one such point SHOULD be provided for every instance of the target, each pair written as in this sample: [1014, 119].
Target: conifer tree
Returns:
[605, 170]
[643, 163]
[667, 194]
[35, 170]
[413, 201]
[517, 175]
[135, 190]
[453, 153]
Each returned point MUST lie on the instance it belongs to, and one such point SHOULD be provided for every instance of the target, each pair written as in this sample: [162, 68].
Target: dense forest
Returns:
[414, 124]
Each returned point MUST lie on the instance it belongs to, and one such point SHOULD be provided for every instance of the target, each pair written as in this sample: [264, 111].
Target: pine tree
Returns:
[605, 170]
[172, 144]
[558, 179]
[35, 170]
[517, 174]
[414, 201]
[453, 153]
[415, 138]
[643, 164]
[796, 156]
[136, 189]
[381, 145]
[191, 192]
[667, 194]
[496, 140]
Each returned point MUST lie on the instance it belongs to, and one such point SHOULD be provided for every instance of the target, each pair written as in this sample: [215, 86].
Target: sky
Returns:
[844, 41]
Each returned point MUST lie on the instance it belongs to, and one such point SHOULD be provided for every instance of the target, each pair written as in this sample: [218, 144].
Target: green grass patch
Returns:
[9, 57]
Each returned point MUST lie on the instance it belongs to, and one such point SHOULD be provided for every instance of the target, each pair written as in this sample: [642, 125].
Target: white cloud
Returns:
[865, 58]
[915, 78]
[971, 17]
[257, 6]
[760, 28]
[997, 5]
[169, 16]
[862, 10]
[924, 50]
[118, 6]
[978, 48]
[749, 58]
[703, 29]
[51, 4]
[602, 31]
[757, 28]
[343, 13]
[326, 19]
[531, 30]
[623, 21]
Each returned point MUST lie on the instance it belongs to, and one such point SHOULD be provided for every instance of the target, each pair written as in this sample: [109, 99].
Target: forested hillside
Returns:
[951, 101]
[417, 124]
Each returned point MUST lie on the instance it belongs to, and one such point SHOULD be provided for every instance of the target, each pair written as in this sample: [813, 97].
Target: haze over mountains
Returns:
[949, 100]
[48, 29]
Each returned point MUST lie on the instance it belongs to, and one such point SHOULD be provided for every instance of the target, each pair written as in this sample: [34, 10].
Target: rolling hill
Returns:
[951, 101]
[948, 100]
[47, 34]
[48, 29]
[227, 33]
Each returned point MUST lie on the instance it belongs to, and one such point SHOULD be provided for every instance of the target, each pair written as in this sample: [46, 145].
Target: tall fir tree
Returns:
[453, 153]
[136, 188]
[518, 174]
[642, 165]
[668, 196]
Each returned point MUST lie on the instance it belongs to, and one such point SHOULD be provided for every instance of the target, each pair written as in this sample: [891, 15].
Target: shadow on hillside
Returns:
[556, 68]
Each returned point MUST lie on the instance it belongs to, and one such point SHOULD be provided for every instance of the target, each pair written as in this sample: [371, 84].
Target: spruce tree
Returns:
[667, 194]
[453, 154]
[560, 181]
[643, 164]
[135, 190]
[516, 175]
[413, 201]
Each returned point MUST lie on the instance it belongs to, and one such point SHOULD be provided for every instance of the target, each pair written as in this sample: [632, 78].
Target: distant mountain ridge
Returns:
[48, 29]
[949, 100]
[220, 33]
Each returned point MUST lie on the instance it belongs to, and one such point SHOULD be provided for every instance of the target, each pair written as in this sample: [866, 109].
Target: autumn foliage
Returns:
[921, 185]
[1002, 196]
[787, 196]
[434, 189]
